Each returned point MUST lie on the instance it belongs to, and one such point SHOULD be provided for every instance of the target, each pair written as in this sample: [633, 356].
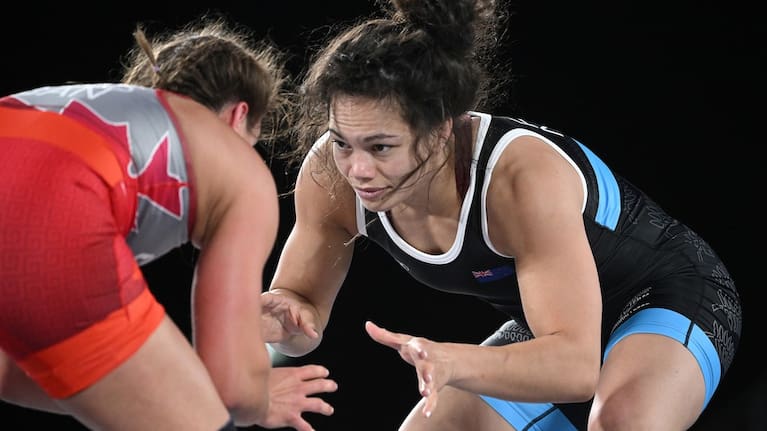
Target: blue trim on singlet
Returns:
[609, 205]
[531, 416]
[680, 328]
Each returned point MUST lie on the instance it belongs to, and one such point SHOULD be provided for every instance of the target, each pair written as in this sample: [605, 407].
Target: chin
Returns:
[378, 205]
[375, 206]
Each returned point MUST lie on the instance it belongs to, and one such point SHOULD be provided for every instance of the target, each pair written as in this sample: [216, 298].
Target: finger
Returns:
[372, 328]
[412, 352]
[385, 337]
[425, 382]
[428, 383]
[311, 371]
[317, 405]
[416, 348]
[294, 316]
[317, 386]
[309, 329]
[304, 321]
[430, 404]
[377, 334]
[301, 425]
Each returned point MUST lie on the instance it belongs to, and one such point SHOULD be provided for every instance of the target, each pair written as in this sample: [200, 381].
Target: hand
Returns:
[289, 396]
[429, 359]
[283, 316]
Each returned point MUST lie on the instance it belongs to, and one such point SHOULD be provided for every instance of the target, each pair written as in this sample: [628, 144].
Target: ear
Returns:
[235, 115]
[240, 114]
[446, 131]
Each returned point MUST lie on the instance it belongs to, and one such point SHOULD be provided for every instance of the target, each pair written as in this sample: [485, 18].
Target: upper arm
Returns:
[229, 274]
[236, 229]
[318, 252]
[535, 214]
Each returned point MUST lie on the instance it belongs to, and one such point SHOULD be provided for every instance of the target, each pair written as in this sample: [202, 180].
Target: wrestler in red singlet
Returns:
[94, 183]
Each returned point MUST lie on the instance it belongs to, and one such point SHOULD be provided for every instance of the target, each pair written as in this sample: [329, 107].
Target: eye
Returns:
[341, 145]
[380, 148]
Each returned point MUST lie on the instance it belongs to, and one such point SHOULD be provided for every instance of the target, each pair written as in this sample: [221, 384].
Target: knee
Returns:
[614, 413]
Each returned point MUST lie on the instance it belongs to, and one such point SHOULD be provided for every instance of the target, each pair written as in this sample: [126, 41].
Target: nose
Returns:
[361, 165]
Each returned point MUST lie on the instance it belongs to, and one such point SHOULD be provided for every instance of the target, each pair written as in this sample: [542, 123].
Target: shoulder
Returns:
[530, 172]
[227, 171]
[322, 195]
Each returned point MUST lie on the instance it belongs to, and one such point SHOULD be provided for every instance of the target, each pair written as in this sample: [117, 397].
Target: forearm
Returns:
[240, 374]
[546, 369]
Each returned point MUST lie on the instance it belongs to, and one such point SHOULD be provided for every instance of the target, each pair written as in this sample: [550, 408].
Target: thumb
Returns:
[371, 328]
[381, 335]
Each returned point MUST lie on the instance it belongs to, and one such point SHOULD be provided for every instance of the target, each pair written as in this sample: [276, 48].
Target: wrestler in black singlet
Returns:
[656, 274]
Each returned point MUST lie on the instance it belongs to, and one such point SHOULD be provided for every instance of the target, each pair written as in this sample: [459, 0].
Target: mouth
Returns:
[370, 193]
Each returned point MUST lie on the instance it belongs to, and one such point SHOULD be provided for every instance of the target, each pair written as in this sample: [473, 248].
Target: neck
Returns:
[464, 130]
[437, 196]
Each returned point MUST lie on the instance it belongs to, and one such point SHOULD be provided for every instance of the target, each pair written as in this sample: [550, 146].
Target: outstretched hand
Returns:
[283, 316]
[428, 357]
[290, 390]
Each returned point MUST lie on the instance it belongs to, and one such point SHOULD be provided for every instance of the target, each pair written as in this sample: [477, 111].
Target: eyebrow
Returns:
[375, 137]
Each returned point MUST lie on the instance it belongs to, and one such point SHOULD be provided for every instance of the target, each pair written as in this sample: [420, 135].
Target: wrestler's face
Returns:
[373, 148]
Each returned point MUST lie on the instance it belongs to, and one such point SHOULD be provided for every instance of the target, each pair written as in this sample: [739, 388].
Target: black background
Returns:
[667, 93]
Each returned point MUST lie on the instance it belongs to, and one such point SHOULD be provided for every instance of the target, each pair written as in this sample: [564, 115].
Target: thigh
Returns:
[459, 410]
[164, 385]
[648, 381]
[456, 410]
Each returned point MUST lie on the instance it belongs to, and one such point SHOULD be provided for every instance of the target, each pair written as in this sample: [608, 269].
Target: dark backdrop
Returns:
[668, 93]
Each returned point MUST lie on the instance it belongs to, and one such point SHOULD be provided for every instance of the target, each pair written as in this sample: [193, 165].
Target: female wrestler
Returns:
[619, 315]
[102, 178]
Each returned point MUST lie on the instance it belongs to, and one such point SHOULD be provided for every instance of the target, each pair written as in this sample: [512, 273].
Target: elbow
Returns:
[581, 363]
[583, 381]
[251, 412]
[248, 399]
[583, 391]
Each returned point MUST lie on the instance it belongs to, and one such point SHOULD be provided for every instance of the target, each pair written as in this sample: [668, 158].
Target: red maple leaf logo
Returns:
[155, 182]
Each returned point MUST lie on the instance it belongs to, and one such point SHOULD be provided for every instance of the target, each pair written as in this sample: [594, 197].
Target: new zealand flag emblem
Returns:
[487, 275]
